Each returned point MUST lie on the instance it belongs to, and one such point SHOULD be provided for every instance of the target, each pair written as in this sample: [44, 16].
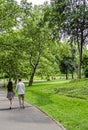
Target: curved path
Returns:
[29, 118]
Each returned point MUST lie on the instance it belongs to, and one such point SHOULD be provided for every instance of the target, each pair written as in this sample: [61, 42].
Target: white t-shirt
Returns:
[20, 87]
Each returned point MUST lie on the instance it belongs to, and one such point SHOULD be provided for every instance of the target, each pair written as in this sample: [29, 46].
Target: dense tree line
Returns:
[43, 40]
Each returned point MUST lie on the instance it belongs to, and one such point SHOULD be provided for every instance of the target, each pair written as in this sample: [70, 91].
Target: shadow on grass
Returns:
[80, 93]
[42, 98]
[63, 90]
[49, 83]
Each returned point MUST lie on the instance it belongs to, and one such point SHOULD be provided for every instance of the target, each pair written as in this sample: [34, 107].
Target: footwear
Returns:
[10, 108]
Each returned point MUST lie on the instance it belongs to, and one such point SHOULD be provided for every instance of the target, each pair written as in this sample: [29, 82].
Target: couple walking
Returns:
[20, 88]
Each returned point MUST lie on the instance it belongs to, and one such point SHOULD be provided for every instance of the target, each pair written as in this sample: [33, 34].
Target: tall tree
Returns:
[35, 33]
[76, 25]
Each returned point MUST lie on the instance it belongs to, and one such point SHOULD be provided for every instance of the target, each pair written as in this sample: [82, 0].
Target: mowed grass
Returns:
[64, 101]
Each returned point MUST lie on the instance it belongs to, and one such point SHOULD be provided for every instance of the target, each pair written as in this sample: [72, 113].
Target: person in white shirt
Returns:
[20, 87]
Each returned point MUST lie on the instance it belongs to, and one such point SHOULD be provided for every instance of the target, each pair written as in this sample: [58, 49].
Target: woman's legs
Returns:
[10, 102]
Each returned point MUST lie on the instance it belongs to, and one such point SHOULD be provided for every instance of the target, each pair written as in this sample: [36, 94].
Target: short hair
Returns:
[19, 79]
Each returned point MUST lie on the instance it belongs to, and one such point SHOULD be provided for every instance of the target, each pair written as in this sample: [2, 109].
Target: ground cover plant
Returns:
[65, 101]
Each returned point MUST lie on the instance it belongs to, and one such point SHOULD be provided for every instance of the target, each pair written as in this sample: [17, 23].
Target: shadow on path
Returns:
[5, 109]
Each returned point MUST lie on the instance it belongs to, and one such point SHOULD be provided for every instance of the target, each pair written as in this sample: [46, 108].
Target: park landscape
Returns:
[47, 46]
[64, 101]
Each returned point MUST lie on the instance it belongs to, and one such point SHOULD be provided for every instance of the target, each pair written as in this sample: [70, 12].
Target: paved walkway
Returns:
[29, 118]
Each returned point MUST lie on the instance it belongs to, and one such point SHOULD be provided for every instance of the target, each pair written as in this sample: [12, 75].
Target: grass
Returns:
[65, 101]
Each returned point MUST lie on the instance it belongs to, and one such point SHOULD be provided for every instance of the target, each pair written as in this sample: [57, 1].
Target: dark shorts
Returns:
[21, 96]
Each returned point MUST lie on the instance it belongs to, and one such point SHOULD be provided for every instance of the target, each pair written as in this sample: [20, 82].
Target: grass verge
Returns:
[65, 101]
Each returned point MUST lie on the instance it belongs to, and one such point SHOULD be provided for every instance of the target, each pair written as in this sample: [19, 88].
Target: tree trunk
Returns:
[34, 67]
[32, 76]
[79, 68]
[66, 74]
[72, 75]
[80, 48]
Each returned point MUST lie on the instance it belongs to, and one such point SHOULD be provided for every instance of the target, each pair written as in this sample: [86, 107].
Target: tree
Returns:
[8, 15]
[69, 19]
[48, 67]
[12, 55]
[66, 66]
[85, 63]
[54, 14]
[76, 25]
[35, 32]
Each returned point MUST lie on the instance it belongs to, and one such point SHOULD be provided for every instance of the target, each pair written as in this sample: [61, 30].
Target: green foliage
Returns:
[66, 65]
[86, 72]
[76, 25]
[8, 14]
[85, 63]
[31, 39]
[55, 16]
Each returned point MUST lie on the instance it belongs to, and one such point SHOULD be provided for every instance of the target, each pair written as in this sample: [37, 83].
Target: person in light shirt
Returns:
[20, 87]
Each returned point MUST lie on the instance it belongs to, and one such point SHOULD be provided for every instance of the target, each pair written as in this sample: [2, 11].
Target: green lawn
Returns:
[65, 101]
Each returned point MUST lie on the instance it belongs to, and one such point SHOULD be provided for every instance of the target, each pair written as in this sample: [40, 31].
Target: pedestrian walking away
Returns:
[20, 87]
[10, 93]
